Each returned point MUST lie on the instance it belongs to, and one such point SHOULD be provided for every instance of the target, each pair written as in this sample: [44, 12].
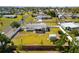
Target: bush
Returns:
[15, 25]
[51, 13]
[75, 32]
[60, 32]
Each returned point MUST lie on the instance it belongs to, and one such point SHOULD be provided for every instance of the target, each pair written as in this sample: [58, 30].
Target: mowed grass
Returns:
[49, 22]
[70, 19]
[30, 38]
[8, 21]
[29, 19]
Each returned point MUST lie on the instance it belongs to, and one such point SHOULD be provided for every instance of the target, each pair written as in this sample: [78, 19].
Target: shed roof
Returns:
[53, 35]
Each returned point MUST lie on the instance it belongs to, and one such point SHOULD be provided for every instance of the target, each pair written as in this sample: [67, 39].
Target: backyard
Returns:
[30, 38]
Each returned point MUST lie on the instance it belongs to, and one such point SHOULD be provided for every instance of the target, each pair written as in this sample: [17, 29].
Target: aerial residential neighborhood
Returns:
[39, 29]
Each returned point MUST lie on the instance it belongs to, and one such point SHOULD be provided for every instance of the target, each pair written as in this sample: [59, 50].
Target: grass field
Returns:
[70, 19]
[30, 38]
[51, 22]
[8, 21]
[29, 19]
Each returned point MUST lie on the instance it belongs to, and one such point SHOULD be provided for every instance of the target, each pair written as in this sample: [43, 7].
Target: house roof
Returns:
[36, 26]
[70, 24]
[43, 16]
[77, 15]
[9, 15]
[52, 36]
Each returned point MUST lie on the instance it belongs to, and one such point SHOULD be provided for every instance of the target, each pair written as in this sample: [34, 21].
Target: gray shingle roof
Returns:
[36, 26]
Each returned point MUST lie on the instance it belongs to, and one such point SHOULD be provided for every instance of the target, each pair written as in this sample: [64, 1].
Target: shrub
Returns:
[15, 25]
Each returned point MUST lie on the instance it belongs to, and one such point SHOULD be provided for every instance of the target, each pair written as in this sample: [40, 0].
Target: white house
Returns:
[43, 17]
[10, 16]
[70, 25]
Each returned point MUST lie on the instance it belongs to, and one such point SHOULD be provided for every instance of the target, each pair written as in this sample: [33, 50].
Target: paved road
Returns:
[68, 36]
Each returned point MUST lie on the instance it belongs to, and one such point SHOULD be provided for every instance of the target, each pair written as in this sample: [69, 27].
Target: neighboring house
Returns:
[60, 16]
[18, 12]
[4, 12]
[70, 25]
[43, 17]
[39, 21]
[67, 15]
[34, 15]
[37, 27]
[10, 16]
[75, 16]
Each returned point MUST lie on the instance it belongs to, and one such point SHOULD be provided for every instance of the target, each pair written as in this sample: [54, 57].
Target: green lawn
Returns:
[30, 38]
[8, 21]
[29, 19]
[51, 22]
[70, 19]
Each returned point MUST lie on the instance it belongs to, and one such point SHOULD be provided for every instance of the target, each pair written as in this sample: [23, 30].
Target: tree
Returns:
[61, 41]
[0, 15]
[15, 24]
[51, 13]
[73, 46]
[6, 44]
[60, 32]
[1, 23]
[68, 28]
[4, 40]
[75, 32]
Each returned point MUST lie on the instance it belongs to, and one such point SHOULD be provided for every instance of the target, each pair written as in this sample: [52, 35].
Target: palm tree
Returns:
[72, 46]
[61, 41]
